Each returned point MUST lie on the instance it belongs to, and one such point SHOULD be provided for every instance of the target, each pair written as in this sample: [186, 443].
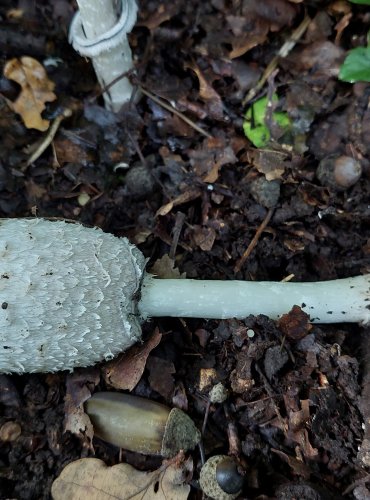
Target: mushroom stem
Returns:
[336, 301]
[99, 30]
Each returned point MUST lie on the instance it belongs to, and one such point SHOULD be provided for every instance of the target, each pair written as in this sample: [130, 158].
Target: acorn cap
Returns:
[210, 476]
[180, 434]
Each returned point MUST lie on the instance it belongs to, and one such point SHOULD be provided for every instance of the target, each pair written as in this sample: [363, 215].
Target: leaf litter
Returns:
[294, 412]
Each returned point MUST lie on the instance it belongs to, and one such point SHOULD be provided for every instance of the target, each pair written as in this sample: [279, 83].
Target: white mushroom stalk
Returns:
[99, 31]
[72, 296]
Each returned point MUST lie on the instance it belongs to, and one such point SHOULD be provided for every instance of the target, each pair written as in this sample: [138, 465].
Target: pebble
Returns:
[265, 192]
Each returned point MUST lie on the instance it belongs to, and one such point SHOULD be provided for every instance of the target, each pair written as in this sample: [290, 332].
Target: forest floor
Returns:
[199, 199]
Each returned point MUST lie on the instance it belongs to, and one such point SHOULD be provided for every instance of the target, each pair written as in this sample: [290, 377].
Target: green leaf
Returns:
[254, 125]
[362, 2]
[356, 66]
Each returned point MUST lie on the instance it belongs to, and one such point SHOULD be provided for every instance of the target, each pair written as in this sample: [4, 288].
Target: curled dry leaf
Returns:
[37, 89]
[189, 195]
[91, 478]
[208, 94]
[126, 371]
[79, 388]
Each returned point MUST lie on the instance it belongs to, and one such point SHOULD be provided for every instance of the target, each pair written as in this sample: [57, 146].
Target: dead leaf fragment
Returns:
[207, 378]
[10, 431]
[37, 89]
[160, 376]
[296, 324]
[204, 237]
[190, 195]
[165, 268]
[268, 163]
[210, 156]
[79, 388]
[208, 94]
[125, 372]
[91, 478]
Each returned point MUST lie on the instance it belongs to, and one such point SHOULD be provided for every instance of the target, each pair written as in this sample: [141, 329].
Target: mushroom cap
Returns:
[66, 295]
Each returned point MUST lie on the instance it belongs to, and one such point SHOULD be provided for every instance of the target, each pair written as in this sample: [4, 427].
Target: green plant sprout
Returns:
[356, 66]
[254, 125]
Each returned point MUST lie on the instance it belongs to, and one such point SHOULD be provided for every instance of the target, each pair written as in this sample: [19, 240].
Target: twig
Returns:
[49, 137]
[205, 419]
[179, 222]
[283, 52]
[173, 110]
[254, 242]
[270, 392]
[358, 482]
[232, 434]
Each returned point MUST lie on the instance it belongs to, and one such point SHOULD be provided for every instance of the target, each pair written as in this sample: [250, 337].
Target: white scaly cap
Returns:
[66, 295]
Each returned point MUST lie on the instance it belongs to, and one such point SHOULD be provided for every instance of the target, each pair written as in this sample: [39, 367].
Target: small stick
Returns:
[254, 241]
[283, 52]
[173, 110]
[48, 139]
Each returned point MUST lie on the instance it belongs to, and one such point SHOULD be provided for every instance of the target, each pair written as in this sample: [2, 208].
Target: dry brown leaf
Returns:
[210, 156]
[268, 163]
[79, 388]
[160, 376]
[190, 195]
[241, 45]
[295, 324]
[207, 378]
[91, 478]
[35, 191]
[165, 268]
[37, 89]
[208, 94]
[125, 372]
[204, 237]
[67, 150]
[294, 463]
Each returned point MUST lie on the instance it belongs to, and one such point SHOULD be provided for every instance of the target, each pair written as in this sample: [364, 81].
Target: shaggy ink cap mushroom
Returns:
[100, 32]
[73, 296]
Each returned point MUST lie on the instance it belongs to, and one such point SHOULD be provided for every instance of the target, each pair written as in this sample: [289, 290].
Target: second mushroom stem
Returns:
[99, 30]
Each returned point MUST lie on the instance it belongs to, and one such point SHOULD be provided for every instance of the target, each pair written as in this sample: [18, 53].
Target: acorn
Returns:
[339, 172]
[220, 478]
[140, 425]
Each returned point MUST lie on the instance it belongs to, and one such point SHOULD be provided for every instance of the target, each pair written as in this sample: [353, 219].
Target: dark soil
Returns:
[294, 413]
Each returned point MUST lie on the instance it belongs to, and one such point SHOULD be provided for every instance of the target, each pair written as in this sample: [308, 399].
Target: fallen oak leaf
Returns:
[91, 478]
[37, 89]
